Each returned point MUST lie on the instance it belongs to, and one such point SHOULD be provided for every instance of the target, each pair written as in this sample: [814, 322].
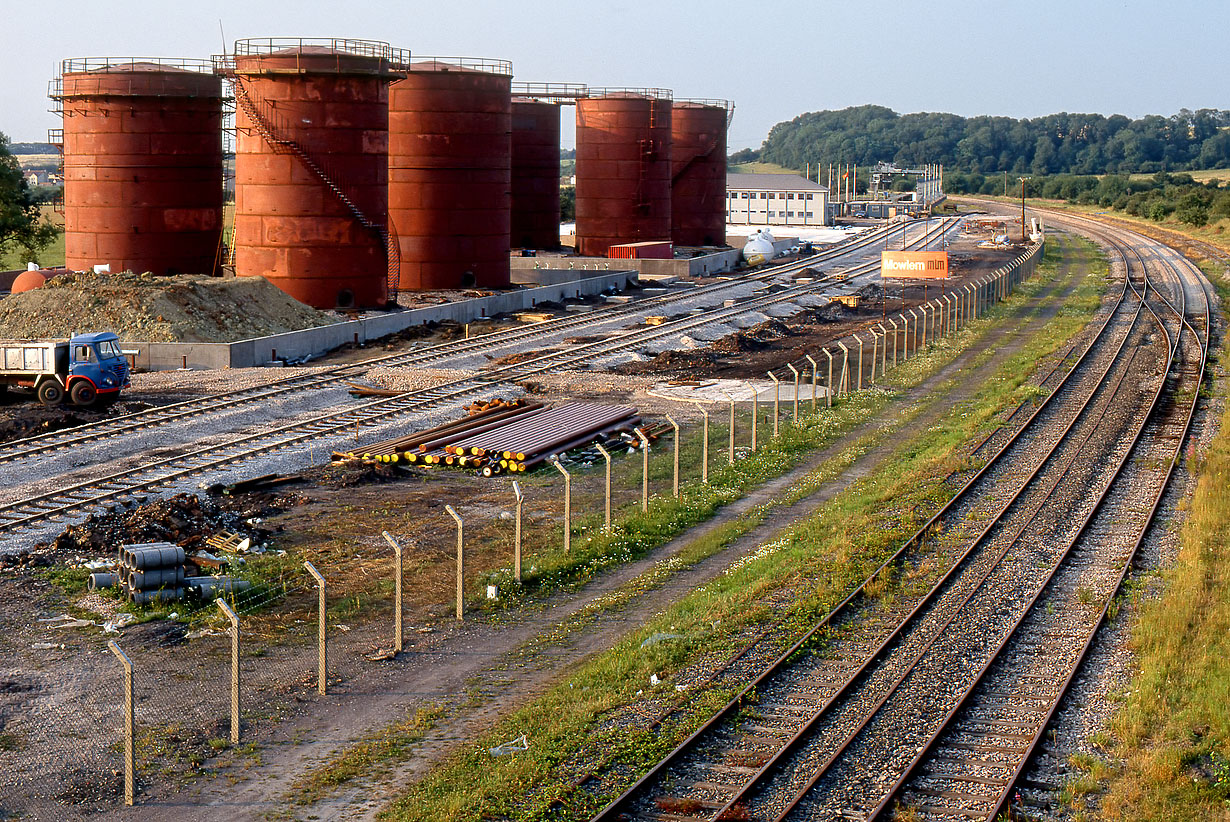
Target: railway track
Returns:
[429, 355]
[827, 729]
[96, 491]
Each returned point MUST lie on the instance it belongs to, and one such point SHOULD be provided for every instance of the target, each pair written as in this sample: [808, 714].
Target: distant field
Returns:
[760, 168]
[1222, 174]
[52, 255]
[38, 162]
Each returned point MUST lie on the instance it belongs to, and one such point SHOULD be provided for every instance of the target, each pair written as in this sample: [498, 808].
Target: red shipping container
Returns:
[656, 250]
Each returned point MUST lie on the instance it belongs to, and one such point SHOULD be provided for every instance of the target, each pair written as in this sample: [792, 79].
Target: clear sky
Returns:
[775, 59]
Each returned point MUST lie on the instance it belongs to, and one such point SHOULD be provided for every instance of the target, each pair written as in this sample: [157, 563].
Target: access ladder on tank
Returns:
[284, 145]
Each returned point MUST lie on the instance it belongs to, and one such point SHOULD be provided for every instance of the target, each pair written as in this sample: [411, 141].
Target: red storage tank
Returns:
[535, 174]
[449, 172]
[698, 171]
[623, 168]
[142, 164]
[311, 167]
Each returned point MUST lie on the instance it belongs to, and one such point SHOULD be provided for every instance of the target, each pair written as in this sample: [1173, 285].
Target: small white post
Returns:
[704, 445]
[814, 368]
[517, 531]
[795, 371]
[777, 400]
[397, 575]
[675, 482]
[567, 504]
[322, 659]
[828, 395]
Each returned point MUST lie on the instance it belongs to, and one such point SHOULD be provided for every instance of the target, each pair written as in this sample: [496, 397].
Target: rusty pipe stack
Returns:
[511, 437]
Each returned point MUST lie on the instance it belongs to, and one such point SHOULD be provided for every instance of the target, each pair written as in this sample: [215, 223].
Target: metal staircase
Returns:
[260, 113]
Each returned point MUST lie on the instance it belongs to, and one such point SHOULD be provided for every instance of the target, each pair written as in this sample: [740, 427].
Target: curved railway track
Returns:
[826, 736]
[434, 354]
[96, 491]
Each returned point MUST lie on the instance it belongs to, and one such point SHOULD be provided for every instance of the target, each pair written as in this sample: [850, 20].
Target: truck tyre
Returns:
[51, 393]
[83, 393]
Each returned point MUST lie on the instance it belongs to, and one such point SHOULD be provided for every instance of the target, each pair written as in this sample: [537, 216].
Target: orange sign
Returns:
[914, 265]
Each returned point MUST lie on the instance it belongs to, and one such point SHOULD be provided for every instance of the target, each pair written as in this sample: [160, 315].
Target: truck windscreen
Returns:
[108, 349]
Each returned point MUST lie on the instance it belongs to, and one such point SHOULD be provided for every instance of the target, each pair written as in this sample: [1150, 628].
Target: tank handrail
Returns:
[79, 65]
[483, 64]
[628, 91]
[729, 105]
[340, 45]
[564, 91]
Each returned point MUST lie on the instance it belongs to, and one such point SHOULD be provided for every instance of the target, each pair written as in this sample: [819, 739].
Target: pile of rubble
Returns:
[184, 519]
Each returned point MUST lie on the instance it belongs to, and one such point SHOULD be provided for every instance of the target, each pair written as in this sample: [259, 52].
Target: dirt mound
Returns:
[142, 307]
[756, 338]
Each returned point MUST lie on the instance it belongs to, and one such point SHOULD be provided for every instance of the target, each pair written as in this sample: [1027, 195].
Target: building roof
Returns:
[771, 182]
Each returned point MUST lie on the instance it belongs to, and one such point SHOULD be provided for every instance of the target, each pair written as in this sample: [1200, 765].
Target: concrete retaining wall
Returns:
[158, 356]
[705, 265]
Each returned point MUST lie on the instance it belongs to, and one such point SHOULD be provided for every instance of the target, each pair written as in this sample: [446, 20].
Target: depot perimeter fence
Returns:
[93, 720]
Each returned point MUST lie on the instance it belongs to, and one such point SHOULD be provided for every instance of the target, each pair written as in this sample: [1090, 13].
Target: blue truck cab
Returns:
[95, 360]
[86, 368]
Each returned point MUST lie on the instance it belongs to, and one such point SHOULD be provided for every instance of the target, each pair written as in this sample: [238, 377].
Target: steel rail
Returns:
[950, 720]
[934, 595]
[79, 495]
[867, 717]
[620, 804]
[152, 417]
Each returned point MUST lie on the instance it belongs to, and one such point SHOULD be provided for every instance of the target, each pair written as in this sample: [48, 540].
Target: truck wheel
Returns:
[83, 393]
[50, 393]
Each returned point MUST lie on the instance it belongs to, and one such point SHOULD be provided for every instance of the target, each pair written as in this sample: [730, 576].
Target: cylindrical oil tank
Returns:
[623, 168]
[535, 174]
[311, 167]
[698, 172]
[449, 172]
[142, 164]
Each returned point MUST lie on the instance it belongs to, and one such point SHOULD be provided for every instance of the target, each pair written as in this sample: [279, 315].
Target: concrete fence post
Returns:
[755, 413]
[730, 433]
[517, 530]
[567, 504]
[322, 667]
[234, 618]
[828, 396]
[844, 388]
[606, 455]
[875, 353]
[130, 743]
[797, 378]
[397, 578]
[859, 340]
[893, 323]
[675, 480]
[644, 470]
[777, 400]
[814, 368]
[704, 444]
[460, 560]
[883, 350]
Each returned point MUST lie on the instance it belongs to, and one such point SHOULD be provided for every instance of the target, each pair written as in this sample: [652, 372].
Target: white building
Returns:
[775, 199]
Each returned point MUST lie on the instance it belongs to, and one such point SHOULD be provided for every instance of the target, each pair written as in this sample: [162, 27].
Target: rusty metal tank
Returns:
[535, 173]
[698, 171]
[623, 168]
[311, 167]
[449, 172]
[142, 164]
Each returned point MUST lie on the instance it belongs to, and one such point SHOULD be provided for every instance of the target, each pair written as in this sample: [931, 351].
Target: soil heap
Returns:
[148, 308]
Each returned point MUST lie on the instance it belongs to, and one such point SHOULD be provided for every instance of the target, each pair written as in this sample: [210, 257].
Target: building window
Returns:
[789, 196]
[808, 215]
[764, 196]
[789, 213]
[809, 196]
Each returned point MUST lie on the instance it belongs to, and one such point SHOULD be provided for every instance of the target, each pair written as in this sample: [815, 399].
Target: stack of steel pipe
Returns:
[526, 442]
[152, 572]
[411, 448]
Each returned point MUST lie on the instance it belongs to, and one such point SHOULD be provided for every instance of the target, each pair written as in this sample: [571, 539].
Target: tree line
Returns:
[1055, 144]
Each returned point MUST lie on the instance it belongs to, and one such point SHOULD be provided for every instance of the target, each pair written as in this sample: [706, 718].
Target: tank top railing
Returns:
[265, 121]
